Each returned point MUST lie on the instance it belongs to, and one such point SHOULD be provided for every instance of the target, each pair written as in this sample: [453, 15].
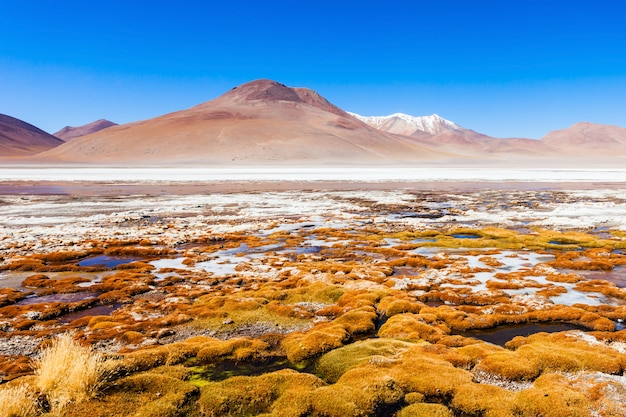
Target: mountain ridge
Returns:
[21, 139]
[264, 122]
[72, 132]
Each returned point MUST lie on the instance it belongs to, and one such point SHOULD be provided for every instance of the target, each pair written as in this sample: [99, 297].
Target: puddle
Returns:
[105, 310]
[57, 298]
[108, 261]
[502, 334]
[308, 249]
[406, 270]
[420, 215]
[13, 279]
[434, 303]
[465, 236]
[617, 276]
[176, 263]
[227, 369]
[558, 242]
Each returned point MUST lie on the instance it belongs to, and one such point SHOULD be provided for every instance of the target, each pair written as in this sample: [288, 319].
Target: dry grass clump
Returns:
[202, 348]
[552, 396]
[425, 410]
[239, 349]
[278, 307]
[469, 355]
[64, 256]
[324, 337]
[243, 395]
[127, 282]
[589, 260]
[162, 392]
[410, 327]
[541, 353]
[335, 363]
[9, 296]
[141, 251]
[14, 366]
[320, 339]
[67, 372]
[359, 392]
[483, 400]
[392, 306]
[416, 371]
[171, 354]
[18, 401]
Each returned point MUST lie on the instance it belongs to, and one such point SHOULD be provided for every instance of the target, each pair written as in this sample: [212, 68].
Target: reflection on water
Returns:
[108, 261]
[617, 276]
[406, 270]
[465, 236]
[93, 311]
[57, 298]
[228, 368]
[502, 334]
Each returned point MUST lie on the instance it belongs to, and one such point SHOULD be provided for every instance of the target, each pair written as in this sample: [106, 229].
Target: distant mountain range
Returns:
[266, 123]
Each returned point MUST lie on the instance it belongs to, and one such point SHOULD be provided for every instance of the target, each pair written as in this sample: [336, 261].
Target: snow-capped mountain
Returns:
[407, 125]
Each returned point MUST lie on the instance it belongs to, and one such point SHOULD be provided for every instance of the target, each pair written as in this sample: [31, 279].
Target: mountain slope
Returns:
[18, 138]
[260, 122]
[588, 139]
[71, 132]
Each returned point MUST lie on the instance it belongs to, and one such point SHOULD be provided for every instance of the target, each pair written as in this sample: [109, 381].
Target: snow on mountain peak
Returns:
[404, 124]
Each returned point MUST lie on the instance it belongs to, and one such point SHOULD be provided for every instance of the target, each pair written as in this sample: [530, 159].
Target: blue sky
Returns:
[501, 67]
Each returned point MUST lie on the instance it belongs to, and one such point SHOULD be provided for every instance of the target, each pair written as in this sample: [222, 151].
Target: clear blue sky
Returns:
[501, 67]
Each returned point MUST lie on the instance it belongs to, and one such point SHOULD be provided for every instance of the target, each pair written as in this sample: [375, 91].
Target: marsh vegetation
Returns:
[315, 304]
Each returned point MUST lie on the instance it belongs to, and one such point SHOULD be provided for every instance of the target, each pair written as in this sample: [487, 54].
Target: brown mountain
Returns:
[588, 139]
[260, 122]
[18, 138]
[70, 132]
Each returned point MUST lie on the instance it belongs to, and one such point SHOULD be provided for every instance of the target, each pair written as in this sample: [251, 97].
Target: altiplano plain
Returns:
[415, 299]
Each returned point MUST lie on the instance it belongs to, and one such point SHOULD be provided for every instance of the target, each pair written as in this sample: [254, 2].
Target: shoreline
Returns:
[251, 186]
[184, 181]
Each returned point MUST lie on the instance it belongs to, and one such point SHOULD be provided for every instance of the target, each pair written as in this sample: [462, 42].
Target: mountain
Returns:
[441, 135]
[588, 139]
[404, 124]
[71, 132]
[18, 138]
[258, 123]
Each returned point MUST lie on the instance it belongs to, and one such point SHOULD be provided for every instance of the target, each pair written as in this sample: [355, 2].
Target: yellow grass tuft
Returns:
[483, 400]
[425, 410]
[409, 326]
[17, 401]
[552, 396]
[242, 395]
[335, 363]
[67, 372]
